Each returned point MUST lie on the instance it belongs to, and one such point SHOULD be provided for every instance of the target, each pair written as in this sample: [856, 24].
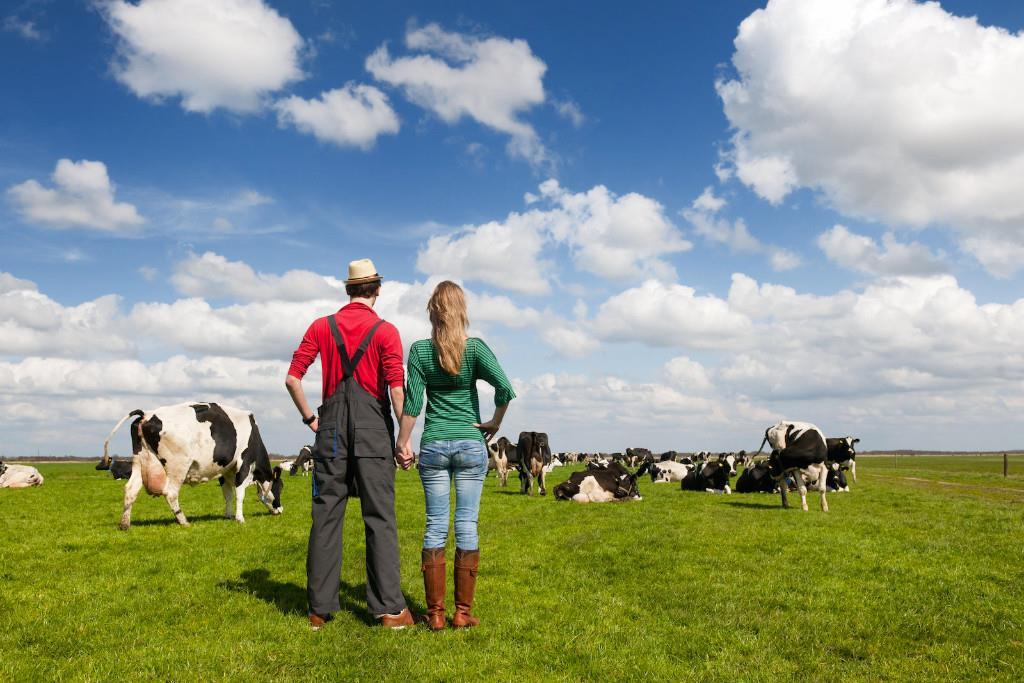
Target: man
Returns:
[361, 359]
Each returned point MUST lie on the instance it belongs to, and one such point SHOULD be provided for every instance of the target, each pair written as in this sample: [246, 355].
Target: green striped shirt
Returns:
[453, 406]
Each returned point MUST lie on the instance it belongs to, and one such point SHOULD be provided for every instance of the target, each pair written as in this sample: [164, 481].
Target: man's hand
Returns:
[489, 428]
[314, 424]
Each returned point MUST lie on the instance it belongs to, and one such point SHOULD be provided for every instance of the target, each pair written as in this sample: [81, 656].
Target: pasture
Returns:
[918, 574]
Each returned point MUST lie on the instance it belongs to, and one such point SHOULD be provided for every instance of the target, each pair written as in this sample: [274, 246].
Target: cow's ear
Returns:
[856, 441]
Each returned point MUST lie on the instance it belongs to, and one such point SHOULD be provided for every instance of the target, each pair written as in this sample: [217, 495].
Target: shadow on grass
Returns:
[171, 521]
[760, 506]
[290, 598]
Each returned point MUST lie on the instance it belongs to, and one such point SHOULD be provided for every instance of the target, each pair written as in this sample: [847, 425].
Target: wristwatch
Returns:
[309, 420]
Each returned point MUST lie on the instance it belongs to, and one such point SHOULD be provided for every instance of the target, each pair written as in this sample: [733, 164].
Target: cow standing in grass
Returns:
[798, 450]
[191, 443]
[534, 453]
[503, 456]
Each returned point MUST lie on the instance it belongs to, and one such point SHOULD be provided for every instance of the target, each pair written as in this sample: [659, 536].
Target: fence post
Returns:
[1006, 465]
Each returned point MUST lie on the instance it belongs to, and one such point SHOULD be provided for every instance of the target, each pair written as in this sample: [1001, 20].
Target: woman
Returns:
[453, 445]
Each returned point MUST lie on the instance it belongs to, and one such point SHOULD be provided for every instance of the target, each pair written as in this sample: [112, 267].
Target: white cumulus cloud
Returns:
[894, 110]
[619, 237]
[212, 54]
[862, 253]
[491, 80]
[82, 196]
[353, 115]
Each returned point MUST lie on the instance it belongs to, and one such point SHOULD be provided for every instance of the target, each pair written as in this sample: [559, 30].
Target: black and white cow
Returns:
[119, 469]
[665, 471]
[755, 478]
[614, 483]
[303, 463]
[635, 456]
[836, 479]
[798, 450]
[503, 457]
[191, 443]
[712, 476]
[843, 452]
[534, 453]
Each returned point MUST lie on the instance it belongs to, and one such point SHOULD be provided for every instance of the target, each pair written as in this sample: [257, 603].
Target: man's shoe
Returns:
[316, 621]
[397, 621]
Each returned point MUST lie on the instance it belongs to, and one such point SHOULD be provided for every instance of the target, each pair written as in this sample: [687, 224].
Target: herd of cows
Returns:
[801, 457]
[192, 443]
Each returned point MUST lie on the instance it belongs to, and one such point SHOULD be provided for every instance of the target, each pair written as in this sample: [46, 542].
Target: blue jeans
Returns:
[441, 461]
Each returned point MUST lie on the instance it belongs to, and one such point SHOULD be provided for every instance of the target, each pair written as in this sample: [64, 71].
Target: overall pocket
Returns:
[325, 447]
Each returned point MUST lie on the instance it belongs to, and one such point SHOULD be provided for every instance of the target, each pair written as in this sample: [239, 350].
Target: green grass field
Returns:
[918, 574]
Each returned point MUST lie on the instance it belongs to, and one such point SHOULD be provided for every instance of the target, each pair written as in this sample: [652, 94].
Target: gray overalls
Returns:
[354, 448]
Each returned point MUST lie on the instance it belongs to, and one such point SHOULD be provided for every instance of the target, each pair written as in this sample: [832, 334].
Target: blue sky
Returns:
[852, 261]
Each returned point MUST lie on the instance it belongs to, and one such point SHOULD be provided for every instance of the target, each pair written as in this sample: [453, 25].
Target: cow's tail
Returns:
[106, 444]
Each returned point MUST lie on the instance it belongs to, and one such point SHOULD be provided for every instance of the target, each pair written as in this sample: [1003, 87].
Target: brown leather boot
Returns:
[466, 564]
[434, 571]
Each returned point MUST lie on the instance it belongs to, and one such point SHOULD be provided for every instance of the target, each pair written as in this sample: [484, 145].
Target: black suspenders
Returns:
[348, 365]
[348, 368]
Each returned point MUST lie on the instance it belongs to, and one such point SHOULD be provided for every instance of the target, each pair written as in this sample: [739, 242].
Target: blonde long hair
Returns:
[448, 320]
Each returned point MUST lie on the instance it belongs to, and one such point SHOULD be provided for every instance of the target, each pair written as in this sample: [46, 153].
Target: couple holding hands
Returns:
[355, 449]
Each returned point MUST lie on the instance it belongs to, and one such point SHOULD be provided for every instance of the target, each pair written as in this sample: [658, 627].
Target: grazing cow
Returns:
[799, 450]
[755, 479]
[599, 486]
[712, 476]
[191, 443]
[303, 463]
[502, 452]
[534, 452]
[836, 479]
[843, 452]
[19, 476]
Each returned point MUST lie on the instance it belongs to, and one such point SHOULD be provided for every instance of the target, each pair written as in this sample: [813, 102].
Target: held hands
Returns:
[404, 455]
[489, 428]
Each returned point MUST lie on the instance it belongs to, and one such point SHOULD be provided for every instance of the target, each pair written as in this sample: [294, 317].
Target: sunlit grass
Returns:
[898, 581]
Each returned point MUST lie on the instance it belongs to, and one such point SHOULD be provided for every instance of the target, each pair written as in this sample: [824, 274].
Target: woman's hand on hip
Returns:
[489, 428]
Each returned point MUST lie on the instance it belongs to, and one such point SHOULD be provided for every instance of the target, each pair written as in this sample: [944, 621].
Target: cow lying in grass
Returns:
[666, 471]
[613, 483]
[712, 476]
[191, 443]
[19, 476]
[798, 450]
[119, 469]
[756, 479]
[843, 452]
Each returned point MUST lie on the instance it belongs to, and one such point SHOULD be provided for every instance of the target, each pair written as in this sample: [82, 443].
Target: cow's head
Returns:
[846, 449]
[626, 488]
[104, 463]
[269, 492]
[728, 460]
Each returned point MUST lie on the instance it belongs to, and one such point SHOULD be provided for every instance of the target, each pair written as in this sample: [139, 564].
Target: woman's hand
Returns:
[314, 425]
[489, 428]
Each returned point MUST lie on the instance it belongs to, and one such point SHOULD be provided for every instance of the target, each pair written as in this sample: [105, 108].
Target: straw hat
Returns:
[361, 272]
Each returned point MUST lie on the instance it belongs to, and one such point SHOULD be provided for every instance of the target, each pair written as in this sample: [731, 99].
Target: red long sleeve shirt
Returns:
[381, 366]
